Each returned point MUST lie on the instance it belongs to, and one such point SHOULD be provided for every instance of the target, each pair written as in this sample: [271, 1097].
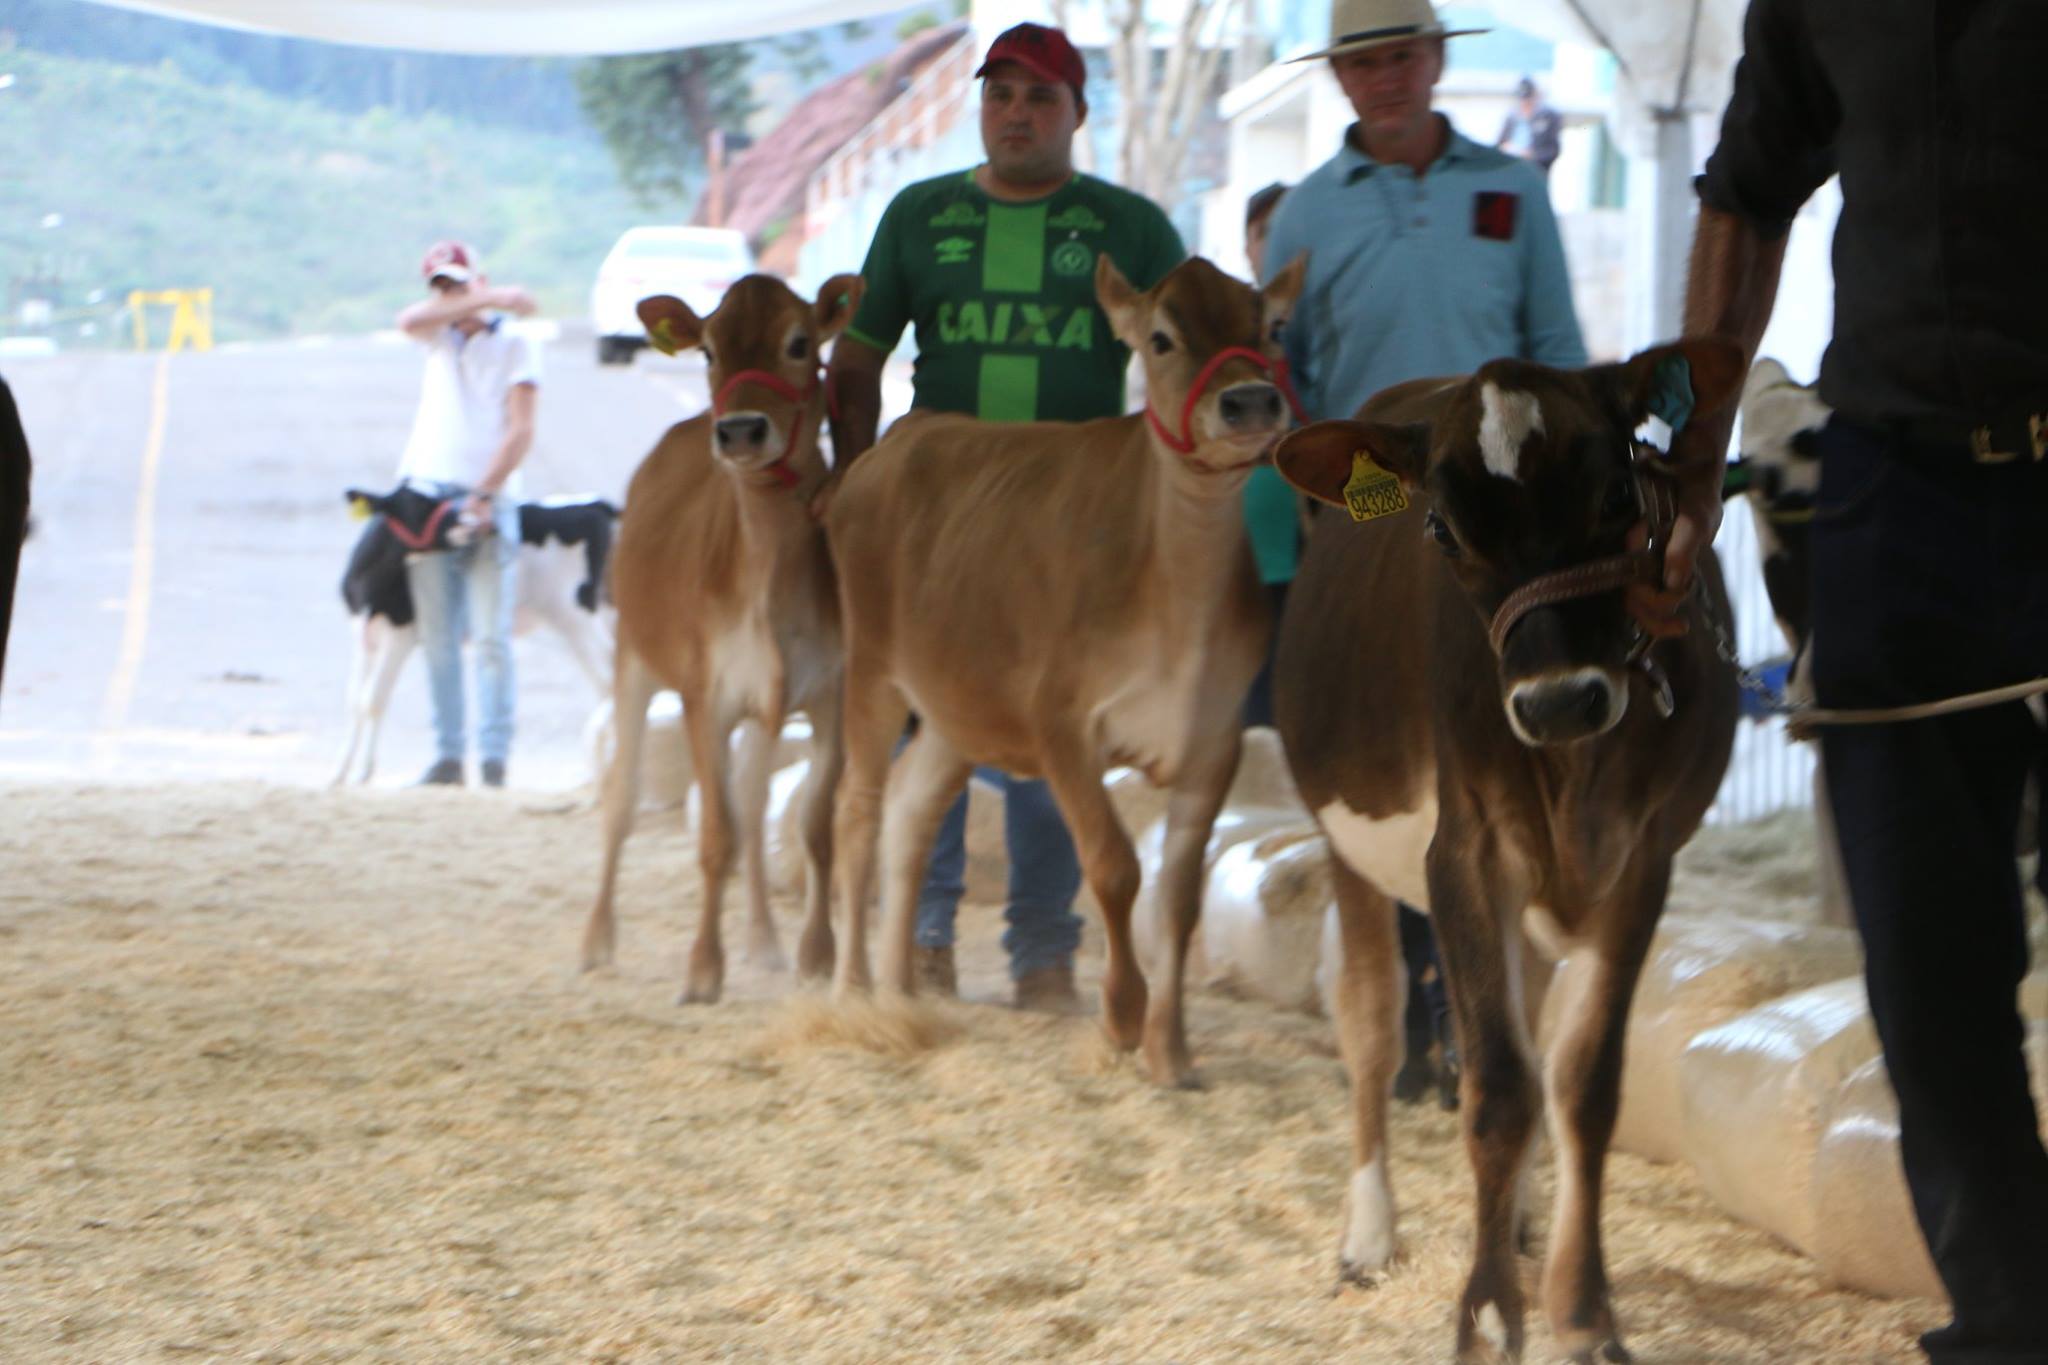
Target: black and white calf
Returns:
[563, 548]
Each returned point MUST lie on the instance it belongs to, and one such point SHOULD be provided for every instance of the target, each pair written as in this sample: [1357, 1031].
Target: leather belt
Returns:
[2015, 438]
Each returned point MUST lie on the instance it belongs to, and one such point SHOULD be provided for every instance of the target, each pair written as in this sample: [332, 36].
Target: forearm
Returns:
[856, 381]
[511, 451]
[1730, 289]
[432, 314]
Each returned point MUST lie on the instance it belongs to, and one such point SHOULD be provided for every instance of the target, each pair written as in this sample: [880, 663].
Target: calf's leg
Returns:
[753, 770]
[821, 783]
[1190, 815]
[1582, 1074]
[928, 776]
[633, 687]
[873, 719]
[1368, 1008]
[1474, 907]
[710, 752]
[1110, 867]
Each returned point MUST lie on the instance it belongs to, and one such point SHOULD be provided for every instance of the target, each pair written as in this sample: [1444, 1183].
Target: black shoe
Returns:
[446, 772]
[494, 772]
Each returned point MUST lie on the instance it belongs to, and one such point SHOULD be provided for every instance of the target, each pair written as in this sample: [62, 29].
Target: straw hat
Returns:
[1359, 24]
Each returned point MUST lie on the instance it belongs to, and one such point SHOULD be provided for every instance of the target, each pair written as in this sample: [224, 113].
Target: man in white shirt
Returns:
[473, 427]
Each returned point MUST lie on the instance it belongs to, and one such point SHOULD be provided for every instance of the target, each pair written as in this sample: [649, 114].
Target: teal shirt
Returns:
[1410, 277]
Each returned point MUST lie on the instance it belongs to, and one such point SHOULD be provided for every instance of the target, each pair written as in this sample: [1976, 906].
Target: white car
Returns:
[696, 264]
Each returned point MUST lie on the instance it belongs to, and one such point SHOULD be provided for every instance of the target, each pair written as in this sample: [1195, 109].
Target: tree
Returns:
[1162, 90]
[655, 110]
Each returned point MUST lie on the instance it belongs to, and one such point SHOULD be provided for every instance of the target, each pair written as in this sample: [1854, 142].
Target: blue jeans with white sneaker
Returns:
[471, 591]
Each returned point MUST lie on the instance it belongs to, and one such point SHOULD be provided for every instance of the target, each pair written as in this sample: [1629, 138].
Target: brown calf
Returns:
[1511, 770]
[725, 594]
[1058, 598]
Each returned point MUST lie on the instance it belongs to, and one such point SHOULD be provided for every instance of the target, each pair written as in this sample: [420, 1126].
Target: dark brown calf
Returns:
[1536, 789]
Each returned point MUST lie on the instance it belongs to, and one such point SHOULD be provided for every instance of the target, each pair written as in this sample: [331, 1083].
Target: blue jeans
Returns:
[470, 591]
[1045, 875]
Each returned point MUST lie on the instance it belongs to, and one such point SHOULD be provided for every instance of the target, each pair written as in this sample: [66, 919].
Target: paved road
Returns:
[179, 612]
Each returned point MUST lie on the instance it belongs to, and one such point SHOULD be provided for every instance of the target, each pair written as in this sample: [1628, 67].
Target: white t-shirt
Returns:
[461, 419]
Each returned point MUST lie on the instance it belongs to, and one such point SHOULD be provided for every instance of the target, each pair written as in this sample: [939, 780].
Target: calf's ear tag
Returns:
[359, 509]
[663, 335]
[1669, 402]
[1371, 491]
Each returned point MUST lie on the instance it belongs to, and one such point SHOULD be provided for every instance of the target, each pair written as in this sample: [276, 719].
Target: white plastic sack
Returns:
[1758, 1092]
[1263, 913]
[1701, 973]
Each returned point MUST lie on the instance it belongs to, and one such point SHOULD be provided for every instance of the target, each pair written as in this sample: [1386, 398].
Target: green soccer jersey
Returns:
[1002, 294]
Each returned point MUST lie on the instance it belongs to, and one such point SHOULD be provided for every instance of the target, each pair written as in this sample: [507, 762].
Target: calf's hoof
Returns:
[1488, 1337]
[1171, 1072]
[705, 983]
[814, 957]
[1610, 1351]
[767, 954]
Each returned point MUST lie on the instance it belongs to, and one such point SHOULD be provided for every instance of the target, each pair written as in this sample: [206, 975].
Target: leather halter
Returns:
[1657, 502]
[785, 478]
[424, 540]
[1184, 442]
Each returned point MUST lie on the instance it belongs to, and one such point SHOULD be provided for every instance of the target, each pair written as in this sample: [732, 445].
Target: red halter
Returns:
[1184, 443]
[425, 539]
[784, 476]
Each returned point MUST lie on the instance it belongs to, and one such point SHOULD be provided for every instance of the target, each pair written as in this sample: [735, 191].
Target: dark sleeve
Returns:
[885, 299]
[1778, 136]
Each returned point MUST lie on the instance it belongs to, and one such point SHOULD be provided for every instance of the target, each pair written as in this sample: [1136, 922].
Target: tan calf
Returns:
[1056, 598]
[725, 594]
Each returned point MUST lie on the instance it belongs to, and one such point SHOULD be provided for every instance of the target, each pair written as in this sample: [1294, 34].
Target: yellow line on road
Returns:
[135, 633]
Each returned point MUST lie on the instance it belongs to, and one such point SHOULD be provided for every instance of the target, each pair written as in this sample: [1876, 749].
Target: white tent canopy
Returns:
[520, 27]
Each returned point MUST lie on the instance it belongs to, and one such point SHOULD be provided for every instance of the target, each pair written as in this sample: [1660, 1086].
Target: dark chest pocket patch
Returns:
[1494, 213]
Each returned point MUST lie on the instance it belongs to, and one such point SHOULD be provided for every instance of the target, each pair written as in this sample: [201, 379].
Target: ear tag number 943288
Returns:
[1371, 491]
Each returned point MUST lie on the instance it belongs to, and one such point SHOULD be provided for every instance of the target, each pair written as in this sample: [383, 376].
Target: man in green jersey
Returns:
[994, 268]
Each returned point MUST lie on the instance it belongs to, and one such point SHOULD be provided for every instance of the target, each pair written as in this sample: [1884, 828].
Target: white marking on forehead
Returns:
[1511, 417]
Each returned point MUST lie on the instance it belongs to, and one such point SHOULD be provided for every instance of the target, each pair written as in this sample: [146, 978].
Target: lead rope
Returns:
[1802, 720]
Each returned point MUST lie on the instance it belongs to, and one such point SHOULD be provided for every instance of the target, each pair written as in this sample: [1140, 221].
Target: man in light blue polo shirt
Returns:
[1428, 255]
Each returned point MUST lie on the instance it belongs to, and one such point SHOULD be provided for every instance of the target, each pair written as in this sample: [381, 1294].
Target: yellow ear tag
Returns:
[359, 509]
[663, 335]
[1372, 491]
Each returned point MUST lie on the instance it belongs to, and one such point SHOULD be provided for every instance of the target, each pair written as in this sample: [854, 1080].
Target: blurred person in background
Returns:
[473, 427]
[1533, 129]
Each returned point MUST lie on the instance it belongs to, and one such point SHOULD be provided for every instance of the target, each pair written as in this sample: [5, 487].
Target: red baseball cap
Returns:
[449, 260]
[1045, 51]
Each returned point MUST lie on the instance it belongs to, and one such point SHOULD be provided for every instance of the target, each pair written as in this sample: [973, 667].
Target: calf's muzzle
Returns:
[1253, 406]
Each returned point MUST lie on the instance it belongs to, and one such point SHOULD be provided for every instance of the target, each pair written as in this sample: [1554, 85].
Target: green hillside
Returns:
[303, 220]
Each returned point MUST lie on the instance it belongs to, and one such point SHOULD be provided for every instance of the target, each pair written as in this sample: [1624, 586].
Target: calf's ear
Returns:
[1278, 297]
[670, 324]
[837, 302]
[1318, 458]
[1683, 380]
[1123, 304]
